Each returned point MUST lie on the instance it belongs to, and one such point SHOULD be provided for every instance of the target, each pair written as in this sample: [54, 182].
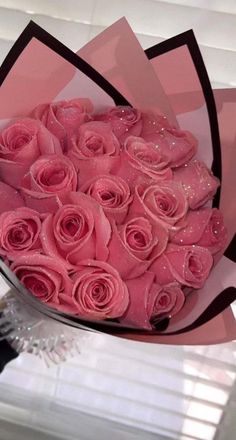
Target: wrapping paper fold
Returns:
[170, 78]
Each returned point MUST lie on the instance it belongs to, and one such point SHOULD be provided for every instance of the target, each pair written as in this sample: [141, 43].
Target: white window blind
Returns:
[135, 390]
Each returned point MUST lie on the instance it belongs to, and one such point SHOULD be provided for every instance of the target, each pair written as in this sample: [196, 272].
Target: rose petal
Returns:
[155, 234]
[134, 170]
[188, 265]
[124, 121]
[137, 312]
[115, 207]
[177, 145]
[51, 174]
[194, 225]
[64, 117]
[153, 123]
[43, 203]
[48, 144]
[98, 291]
[19, 232]
[48, 242]
[12, 173]
[101, 223]
[214, 237]
[93, 166]
[10, 198]
[122, 259]
[148, 201]
[198, 183]
[174, 296]
[163, 270]
[52, 269]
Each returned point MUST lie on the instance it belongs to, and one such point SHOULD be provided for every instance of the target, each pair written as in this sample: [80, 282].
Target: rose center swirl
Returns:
[73, 226]
[137, 238]
[52, 176]
[94, 145]
[165, 204]
[40, 286]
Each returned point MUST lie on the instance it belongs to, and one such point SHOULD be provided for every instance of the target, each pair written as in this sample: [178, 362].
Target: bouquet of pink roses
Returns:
[109, 209]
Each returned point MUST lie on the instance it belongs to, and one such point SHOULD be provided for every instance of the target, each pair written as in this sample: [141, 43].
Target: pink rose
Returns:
[112, 193]
[204, 227]
[10, 198]
[142, 162]
[150, 303]
[21, 143]
[98, 292]
[164, 203]
[124, 121]
[19, 232]
[199, 183]
[77, 231]
[165, 300]
[176, 145]
[94, 150]
[188, 265]
[45, 277]
[134, 245]
[63, 118]
[48, 182]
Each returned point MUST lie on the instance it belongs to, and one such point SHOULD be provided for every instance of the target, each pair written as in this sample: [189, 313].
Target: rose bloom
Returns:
[150, 302]
[124, 121]
[176, 145]
[187, 265]
[77, 231]
[48, 182]
[112, 193]
[98, 292]
[198, 182]
[19, 232]
[64, 117]
[204, 227]
[21, 143]
[94, 150]
[45, 277]
[141, 161]
[164, 202]
[134, 245]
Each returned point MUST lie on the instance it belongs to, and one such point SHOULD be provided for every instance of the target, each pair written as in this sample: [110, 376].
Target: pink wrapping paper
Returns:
[103, 71]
